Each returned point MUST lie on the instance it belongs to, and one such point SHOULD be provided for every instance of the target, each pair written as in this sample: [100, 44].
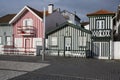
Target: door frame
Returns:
[65, 42]
[100, 52]
[25, 44]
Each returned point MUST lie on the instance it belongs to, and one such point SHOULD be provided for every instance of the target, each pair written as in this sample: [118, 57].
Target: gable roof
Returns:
[6, 18]
[35, 12]
[65, 25]
[101, 12]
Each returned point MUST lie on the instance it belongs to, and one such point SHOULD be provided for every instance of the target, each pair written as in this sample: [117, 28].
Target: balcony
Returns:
[101, 33]
[26, 30]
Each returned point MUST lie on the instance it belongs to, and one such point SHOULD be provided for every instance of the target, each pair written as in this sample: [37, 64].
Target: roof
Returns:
[101, 12]
[65, 25]
[38, 14]
[6, 18]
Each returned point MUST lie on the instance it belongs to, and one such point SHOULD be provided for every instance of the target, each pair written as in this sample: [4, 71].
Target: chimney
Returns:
[50, 8]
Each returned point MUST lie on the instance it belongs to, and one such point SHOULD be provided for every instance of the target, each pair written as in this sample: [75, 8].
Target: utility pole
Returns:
[43, 39]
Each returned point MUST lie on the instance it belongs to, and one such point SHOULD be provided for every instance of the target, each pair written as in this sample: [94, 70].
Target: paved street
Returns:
[58, 68]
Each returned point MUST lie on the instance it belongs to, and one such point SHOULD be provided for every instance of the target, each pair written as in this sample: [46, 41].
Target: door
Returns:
[101, 49]
[67, 47]
[27, 43]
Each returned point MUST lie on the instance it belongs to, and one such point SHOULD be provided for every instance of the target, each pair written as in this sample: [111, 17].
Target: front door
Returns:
[27, 43]
[67, 47]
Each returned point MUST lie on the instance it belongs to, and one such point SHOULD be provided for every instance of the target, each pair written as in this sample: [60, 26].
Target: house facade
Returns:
[6, 32]
[69, 40]
[27, 30]
[101, 26]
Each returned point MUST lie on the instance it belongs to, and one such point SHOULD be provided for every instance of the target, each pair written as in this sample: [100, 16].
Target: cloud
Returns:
[82, 7]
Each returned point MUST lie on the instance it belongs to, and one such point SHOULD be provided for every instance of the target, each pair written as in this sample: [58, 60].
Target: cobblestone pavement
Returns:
[61, 68]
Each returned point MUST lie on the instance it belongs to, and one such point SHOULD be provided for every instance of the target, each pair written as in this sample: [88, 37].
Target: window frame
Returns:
[28, 22]
[100, 24]
[54, 41]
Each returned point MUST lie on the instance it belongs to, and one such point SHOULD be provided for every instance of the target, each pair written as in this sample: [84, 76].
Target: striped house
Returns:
[27, 30]
[69, 40]
[101, 26]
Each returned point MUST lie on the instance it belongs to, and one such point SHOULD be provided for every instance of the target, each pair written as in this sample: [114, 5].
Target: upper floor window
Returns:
[100, 24]
[27, 22]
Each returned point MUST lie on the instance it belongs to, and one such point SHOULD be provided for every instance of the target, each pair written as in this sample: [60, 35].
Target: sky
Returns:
[81, 7]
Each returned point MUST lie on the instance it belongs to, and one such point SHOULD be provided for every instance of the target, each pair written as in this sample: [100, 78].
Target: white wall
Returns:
[18, 42]
[1, 49]
[37, 41]
[116, 50]
[87, 27]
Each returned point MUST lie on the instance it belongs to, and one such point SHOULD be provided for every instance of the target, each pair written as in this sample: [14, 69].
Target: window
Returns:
[82, 41]
[54, 41]
[100, 24]
[0, 40]
[27, 22]
[8, 40]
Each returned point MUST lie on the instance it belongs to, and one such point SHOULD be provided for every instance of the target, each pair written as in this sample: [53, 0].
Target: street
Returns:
[57, 68]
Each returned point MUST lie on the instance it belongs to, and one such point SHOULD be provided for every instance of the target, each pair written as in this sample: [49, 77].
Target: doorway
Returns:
[67, 46]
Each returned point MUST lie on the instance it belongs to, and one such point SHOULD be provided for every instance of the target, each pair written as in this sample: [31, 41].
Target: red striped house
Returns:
[27, 30]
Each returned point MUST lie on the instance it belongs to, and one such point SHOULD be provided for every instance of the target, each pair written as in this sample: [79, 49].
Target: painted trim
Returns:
[22, 11]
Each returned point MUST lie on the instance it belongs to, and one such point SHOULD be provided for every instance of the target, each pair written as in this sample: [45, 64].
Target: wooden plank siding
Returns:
[75, 49]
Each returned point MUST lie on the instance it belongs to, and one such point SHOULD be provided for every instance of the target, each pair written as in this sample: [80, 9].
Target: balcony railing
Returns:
[101, 33]
[26, 30]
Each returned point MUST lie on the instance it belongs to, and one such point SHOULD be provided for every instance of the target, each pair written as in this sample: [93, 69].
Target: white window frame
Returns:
[54, 41]
[100, 24]
[28, 22]
[8, 42]
[82, 40]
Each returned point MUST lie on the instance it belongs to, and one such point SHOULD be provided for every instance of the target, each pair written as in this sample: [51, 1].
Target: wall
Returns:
[116, 50]
[4, 32]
